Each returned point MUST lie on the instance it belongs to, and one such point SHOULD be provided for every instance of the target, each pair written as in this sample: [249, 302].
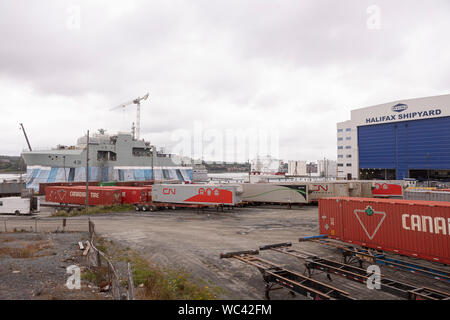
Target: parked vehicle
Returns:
[197, 194]
[275, 193]
[318, 190]
[77, 195]
[19, 205]
[133, 195]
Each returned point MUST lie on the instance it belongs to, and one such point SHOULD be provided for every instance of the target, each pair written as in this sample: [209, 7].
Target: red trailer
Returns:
[133, 195]
[409, 227]
[384, 189]
[44, 185]
[77, 195]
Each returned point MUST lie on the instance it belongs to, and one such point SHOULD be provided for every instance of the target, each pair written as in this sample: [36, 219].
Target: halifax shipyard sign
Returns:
[401, 114]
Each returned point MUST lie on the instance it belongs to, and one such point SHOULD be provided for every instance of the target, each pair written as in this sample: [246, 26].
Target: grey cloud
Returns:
[226, 64]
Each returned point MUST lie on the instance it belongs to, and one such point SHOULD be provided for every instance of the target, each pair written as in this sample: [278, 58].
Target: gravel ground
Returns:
[193, 241]
[42, 274]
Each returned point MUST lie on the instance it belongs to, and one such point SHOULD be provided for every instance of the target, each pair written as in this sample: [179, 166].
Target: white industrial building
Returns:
[396, 140]
[326, 168]
[296, 168]
[265, 164]
[347, 150]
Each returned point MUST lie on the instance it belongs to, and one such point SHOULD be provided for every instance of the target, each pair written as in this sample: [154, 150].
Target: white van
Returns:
[18, 205]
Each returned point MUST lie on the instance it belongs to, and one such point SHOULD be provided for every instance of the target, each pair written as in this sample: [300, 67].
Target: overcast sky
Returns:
[290, 68]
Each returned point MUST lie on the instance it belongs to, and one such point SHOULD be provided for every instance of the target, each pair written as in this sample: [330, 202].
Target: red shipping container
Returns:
[387, 190]
[77, 195]
[133, 195]
[134, 183]
[44, 185]
[409, 227]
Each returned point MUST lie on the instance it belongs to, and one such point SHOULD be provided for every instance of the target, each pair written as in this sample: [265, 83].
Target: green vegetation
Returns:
[154, 283]
[92, 210]
[221, 167]
[95, 275]
[11, 165]
[30, 250]
[167, 284]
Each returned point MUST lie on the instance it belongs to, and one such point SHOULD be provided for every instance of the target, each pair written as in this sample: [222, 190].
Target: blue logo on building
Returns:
[400, 107]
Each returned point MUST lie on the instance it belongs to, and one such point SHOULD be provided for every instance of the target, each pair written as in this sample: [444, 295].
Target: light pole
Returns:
[87, 171]
[249, 171]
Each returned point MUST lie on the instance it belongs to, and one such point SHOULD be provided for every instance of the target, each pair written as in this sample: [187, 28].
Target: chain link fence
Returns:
[97, 259]
[24, 224]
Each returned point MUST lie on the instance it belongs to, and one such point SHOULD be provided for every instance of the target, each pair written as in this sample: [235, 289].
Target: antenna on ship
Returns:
[137, 102]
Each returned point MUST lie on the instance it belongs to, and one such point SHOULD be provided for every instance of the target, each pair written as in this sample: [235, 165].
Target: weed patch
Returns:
[28, 251]
[154, 283]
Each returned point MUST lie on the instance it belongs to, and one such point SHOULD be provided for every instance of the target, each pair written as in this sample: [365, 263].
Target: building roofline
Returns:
[402, 101]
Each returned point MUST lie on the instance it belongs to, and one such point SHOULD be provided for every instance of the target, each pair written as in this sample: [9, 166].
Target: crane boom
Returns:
[26, 137]
[123, 105]
[137, 102]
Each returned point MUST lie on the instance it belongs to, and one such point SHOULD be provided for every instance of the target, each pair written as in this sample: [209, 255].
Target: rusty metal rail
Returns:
[397, 288]
[354, 254]
[285, 248]
[428, 294]
[276, 277]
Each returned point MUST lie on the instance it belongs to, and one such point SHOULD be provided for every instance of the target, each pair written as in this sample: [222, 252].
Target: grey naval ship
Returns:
[118, 157]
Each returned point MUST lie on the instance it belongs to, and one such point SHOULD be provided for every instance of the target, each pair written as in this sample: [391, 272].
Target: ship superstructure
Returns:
[117, 157]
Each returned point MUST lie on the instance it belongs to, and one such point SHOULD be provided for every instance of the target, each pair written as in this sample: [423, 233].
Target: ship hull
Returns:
[41, 174]
[111, 158]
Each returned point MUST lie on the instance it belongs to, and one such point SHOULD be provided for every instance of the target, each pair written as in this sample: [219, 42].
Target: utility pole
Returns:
[153, 168]
[249, 171]
[64, 167]
[87, 171]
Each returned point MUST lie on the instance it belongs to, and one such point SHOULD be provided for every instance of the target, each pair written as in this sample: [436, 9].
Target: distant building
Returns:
[347, 150]
[311, 168]
[284, 167]
[265, 164]
[396, 140]
[296, 168]
[326, 168]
